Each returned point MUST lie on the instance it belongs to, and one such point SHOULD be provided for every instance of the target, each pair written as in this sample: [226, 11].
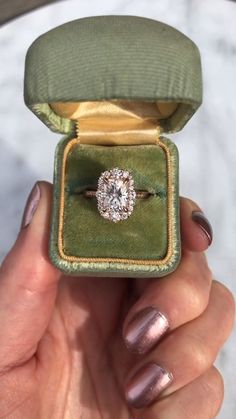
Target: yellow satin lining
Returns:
[116, 122]
[122, 132]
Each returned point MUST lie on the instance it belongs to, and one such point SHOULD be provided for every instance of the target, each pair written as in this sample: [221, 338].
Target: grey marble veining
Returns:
[207, 145]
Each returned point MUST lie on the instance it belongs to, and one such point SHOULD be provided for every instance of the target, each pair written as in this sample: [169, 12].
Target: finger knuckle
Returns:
[196, 296]
[201, 356]
[213, 390]
[217, 383]
[210, 391]
[197, 266]
[207, 274]
[226, 297]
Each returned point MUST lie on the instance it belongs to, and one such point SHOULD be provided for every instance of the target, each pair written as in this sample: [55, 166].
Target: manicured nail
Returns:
[31, 206]
[146, 384]
[204, 224]
[145, 329]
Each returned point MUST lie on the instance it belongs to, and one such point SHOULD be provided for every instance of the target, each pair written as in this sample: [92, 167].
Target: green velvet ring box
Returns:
[114, 85]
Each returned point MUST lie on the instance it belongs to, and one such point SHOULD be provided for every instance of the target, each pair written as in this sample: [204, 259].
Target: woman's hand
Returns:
[109, 347]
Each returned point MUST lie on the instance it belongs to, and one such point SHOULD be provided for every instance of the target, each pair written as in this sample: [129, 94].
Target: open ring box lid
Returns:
[113, 85]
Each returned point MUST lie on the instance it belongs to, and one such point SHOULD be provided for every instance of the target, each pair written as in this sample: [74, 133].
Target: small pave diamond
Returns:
[116, 194]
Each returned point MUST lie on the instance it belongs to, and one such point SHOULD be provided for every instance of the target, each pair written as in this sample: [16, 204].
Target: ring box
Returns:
[114, 85]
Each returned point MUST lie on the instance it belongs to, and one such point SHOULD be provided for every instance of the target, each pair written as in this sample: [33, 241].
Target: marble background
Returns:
[207, 144]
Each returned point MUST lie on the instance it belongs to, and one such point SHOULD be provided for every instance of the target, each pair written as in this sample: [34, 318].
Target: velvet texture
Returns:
[113, 57]
[86, 233]
[143, 236]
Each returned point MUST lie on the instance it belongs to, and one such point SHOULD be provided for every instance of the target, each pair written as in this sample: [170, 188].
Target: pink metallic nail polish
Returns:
[146, 384]
[145, 329]
[31, 206]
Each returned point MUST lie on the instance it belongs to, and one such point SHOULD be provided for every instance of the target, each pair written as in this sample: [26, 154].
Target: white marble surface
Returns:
[207, 145]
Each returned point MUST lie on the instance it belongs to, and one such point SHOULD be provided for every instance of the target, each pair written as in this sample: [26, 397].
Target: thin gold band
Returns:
[139, 194]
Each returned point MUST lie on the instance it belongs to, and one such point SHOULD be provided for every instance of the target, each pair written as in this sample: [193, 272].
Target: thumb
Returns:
[28, 283]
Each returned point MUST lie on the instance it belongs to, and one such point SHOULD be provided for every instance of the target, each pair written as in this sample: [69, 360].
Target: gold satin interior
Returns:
[116, 122]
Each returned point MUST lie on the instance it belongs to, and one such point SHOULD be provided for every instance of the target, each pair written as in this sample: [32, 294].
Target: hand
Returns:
[62, 354]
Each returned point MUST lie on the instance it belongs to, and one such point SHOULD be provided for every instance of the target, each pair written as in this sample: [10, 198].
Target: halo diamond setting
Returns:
[116, 194]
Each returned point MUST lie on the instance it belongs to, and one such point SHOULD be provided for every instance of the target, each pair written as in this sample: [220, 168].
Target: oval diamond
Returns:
[116, 194]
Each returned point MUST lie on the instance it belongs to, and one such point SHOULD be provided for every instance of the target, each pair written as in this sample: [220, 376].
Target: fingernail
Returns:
[204, 224]
[145, 329]
[31, 206]
[145, 386]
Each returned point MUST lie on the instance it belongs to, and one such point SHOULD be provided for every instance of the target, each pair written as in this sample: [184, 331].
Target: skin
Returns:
[62, 354]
